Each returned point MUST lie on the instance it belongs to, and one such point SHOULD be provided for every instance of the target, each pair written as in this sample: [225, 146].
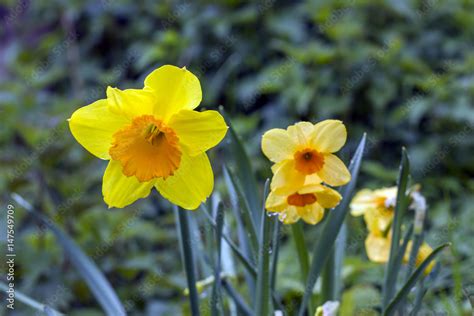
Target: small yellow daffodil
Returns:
[304, 153]
[307, 202]
[377, 206]
[153, 138]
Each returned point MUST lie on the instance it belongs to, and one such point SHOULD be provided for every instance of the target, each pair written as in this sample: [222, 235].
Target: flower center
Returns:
[308, 161]
[147, 149]
[301, 199]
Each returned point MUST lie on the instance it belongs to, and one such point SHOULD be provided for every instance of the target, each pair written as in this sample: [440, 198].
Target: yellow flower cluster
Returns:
[304, 161]
[153, 138]
[377, 207]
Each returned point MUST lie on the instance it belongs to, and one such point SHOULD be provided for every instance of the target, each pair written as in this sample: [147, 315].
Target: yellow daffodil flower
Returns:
[377, 206]
[378, 250]
[423, 252]
[307, 203]
[304, 152]
[153, 138]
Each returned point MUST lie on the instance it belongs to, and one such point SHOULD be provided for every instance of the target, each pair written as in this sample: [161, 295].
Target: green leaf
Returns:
[238, 300]
[245, 172]
[302, 252]
[216, 289]
[240, 255]
[93, 277]
[31, 302]
[324, 245]
[393, 265]
[402, 294]
[262, 304]
[244, 209]
[187, 257]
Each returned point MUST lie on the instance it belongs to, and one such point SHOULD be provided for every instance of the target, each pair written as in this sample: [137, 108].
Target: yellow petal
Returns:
[175, 89]
[277, 145]
[311, 214]
[119, 190]
[191, 184]
[275, 202]
[378, 248]
[301, 133]
[289, 215]
[131, 102]
[328, 198]
[334, 172]
[198, 131]
[362, 201]
[94, 125]
[286, 179]
[329, 136]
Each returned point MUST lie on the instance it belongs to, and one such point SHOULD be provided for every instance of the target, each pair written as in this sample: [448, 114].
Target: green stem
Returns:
[328, 279]
[303, 258]
[188, 260]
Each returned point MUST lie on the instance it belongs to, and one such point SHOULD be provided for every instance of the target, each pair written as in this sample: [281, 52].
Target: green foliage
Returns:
[399, 70]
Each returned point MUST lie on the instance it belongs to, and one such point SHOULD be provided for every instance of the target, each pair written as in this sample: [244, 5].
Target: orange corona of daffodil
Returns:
[153, 138]
[307, 202]
[304, 152]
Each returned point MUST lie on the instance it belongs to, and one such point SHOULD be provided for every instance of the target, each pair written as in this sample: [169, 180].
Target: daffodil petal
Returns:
[328, 198]
[362, 201]
[131, 102]
[311, 214]
[93, 127]
[334, 171]
[277, 145]
[289, 215]
[198, 131]
[191, 184]
[329, 136]
[175, 89]
[377, 248]
[301, 133]
[119, 190]
[275, 202]
[286, 178]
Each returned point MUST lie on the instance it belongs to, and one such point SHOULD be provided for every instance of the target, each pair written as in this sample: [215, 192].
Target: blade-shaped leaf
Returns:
[93, 277]
[245, 172]
[262, 303]
[216, 290]
[243, 211]
[324, 245]
[393, 265]
[187, 257]
[391, 308]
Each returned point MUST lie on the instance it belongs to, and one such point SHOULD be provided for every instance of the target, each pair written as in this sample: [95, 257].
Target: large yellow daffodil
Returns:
[153, 138]
[307, 202]
[305, 152]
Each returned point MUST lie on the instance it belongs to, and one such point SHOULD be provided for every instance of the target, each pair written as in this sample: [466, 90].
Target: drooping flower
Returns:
[153, 138]
[304, 152]
[307, 202]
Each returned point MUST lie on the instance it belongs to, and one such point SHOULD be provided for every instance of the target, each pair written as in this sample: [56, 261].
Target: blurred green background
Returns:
[400, 70]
